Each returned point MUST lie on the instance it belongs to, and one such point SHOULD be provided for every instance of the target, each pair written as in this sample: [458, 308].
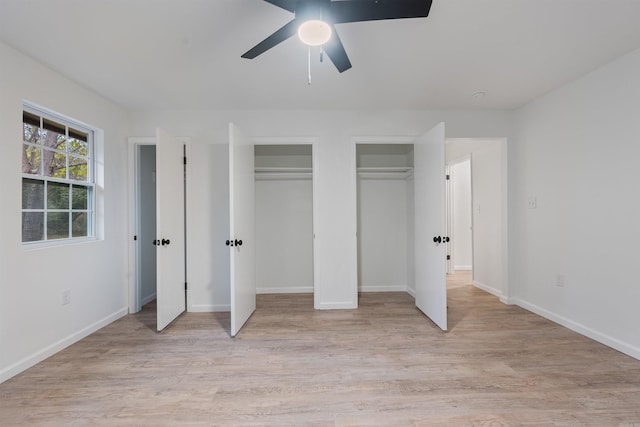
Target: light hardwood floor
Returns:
[382, 364]
[459, 278]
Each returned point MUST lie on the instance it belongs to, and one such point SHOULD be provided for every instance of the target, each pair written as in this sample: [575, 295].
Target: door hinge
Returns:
[185, 160]
[185, 286]
[448, 177]
[448, 257]
[135, 237]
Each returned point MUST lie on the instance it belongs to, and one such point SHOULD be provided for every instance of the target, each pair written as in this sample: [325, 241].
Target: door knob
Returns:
[229, 243]
[165, 242]
[156, 242]
[238, 242]
[437, 239]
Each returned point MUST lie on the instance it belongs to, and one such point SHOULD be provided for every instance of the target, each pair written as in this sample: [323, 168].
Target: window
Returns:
[57, 178]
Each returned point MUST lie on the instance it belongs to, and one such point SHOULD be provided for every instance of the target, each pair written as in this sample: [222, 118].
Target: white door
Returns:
[430, 226]
[242, 228]
[170, 237]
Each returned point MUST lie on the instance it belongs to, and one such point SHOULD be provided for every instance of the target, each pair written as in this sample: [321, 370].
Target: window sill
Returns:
[32, 246]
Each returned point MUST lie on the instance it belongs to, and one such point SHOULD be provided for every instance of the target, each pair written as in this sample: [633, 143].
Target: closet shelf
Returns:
[282, 173]
[382, 169]
[282, 170]
[394, 172]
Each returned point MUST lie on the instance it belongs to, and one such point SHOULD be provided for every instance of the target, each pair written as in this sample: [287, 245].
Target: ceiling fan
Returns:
[314, 22]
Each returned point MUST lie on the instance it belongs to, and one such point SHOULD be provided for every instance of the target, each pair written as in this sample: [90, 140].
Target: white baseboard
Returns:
[365, 288]
[489, 289]
[286, 290]
[509, 301]
[347, 305]
[605, 339]
[209, 308]
[411, 291]
[52, 349]
[148, 299]
[463, 267]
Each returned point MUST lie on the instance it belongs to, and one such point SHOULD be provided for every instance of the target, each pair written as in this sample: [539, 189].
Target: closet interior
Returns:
[385, 217]
[284, 218]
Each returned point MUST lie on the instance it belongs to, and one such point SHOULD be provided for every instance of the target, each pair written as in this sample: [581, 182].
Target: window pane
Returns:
[30, 119]
[57, 195]
[78, 146]
[31, 159]
[78, 134]
[80, 197]
[79, 224]
[54, 135]
[32, 226]
[55, 164]
[78, 168]
[32, 194]
[57, 225]
[30, 133]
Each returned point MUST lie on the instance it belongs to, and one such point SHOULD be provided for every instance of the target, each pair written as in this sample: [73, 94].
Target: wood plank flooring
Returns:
[384, 364]
[459, 279]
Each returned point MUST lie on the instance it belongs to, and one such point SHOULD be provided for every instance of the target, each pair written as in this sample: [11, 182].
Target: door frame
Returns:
[315, 154]
[133, 276]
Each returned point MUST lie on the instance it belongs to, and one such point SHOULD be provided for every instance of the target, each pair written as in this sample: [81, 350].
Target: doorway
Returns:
[385, 217]
[284, 219]
[424, 222]
[484, 161]
[157, 225]
[242, 214]
[459, 223]
[146, 223]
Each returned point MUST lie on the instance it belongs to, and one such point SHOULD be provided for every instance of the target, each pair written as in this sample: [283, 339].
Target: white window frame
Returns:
[67, 122]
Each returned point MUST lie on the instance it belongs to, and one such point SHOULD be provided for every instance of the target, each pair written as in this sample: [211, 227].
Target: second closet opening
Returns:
[284, 219]
[385, 217]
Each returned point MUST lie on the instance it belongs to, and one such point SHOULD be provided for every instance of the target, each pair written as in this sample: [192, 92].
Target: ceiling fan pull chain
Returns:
[309, 63]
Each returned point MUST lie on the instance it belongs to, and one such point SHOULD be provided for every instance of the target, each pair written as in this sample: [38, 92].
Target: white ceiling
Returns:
[157, 54]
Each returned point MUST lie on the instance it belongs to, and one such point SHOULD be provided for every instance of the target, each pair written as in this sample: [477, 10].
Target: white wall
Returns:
[460, 176]
[208, 257]
[382, 234]
[33, 322]
[284, 235]
[336, 197]
[577, 150]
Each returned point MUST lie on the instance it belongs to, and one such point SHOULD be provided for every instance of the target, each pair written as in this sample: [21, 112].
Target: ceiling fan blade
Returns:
[274, 39]
[335, 51]
[373, 10]
[289, 5]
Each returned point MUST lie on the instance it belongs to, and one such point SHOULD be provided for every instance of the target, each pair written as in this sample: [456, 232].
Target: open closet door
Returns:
[430, 225]
[242, 228]
[170, 235]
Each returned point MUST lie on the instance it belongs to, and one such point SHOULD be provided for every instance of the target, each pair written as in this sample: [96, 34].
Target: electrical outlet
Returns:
[532, 202]
[560, 279]
[66, 297]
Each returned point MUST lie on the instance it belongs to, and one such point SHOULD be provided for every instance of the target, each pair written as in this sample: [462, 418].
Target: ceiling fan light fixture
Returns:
[314, 32]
